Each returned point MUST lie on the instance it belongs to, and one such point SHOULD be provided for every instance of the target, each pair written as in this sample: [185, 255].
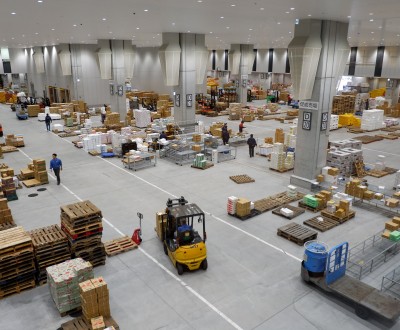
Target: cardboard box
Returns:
[396, 220]
[243, 207]
[196, 147]
[390, 225]
[386, 234]
[340, 213]
[333, 171]
[97, 323]
[392, 202]
[368, 195]
[160, 223]
[396, 195]
[320, 178]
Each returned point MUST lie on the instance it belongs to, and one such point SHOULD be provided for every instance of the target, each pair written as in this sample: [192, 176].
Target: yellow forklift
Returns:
[182, 242]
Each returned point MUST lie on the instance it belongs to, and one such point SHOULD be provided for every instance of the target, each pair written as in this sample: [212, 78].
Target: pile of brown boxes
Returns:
[235, 111]
[8, 188]
[243, 207]
[343, 104]
[6, 171]
[82, 223]
[356, 189]
[6, 219]
[160, 224]
[95, 299]
[216, 129]
[34, 110]
[39, 171]
[112, 118]
[279, 136]
[323, 197]
[269, 140]
[14, 141]
[197, 147]
[390, 226]
[196, 138]
[79, 106]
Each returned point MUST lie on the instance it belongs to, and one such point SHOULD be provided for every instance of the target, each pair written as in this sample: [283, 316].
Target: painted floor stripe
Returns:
[382, 152]
[185, 285]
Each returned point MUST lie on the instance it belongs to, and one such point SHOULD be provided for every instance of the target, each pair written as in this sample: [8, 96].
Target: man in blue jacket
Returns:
[56, 166]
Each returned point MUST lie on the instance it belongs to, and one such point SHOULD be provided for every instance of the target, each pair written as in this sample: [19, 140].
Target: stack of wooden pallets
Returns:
[82, 222]
[50, 248]
[6, 219]
[17, 267]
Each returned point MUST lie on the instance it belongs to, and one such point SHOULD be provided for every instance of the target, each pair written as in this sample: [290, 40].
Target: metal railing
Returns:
[391, 283]
[368, 255]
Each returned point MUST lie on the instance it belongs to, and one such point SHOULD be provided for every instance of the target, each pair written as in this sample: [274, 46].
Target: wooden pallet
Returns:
[376, 173]
[281, 170]
[365, 139]
[82, 232]
[390, 170]
[14, 240]
[324, 225]
[334, 217]
[81, 210]
[7, 225]
[48, 237]
[84, 243]
[208, 165]
[33, 183]
[76, 310]
[297, 233]
[94, 153]
[81, 324]
[92, 226]
[309, 208]
[272, 202]
[252, 214]
[296, 211]
[242, 178]
[387, 136]
[391, 129]
[17, 288]
[119, 245]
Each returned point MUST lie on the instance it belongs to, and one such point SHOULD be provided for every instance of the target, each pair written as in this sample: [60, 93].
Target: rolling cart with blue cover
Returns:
[327, 270]
[107, 154]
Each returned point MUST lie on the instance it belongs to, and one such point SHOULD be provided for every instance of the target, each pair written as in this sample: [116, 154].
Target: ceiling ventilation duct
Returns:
[38, 58]
[129, 58]
[234, 59]
[170, 58]
[202, 54]
[104, 54]
[65, 59]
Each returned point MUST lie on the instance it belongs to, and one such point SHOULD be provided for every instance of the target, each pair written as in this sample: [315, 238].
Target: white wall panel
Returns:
[365, 61]
[262, 60]
[279, 62]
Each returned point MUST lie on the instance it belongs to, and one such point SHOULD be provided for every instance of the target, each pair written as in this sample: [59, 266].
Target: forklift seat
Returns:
[185, 235]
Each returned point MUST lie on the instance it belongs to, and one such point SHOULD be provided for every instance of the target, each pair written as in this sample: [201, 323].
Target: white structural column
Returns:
[241, 59]
[317, 55]
[118, 100]
[77, 72]
[183, 58]
[65, 59]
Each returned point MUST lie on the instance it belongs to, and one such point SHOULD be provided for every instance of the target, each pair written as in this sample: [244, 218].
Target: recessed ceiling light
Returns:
[261, 8]
[40, 1]
[278, 23]
[287, 12]
[74, 25]
[309, 15]
[348, 16]
[371, 20]
[292, 8]
[250, 29]
[199, 1]
[133, 36]
[370, 14]
[146, 10]
[158, 34]
[12, 38]
[210, 32]
[222, 17]
[13, 13]
[380, 27]
[372, 32]
[110, 32]
[52, 29]
[233, 5]
[36, 32]
[228, 27]
[23, 36]
[188, 32]
[290, 32]
[104, 19]
[173, 23]
[138, 28]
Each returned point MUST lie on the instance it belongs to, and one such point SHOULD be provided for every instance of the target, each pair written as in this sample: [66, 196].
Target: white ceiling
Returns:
[264, 23]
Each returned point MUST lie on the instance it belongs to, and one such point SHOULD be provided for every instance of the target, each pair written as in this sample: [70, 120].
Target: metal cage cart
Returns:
[141, 160]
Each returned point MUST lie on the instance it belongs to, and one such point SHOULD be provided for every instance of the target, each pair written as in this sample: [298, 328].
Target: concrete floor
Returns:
[253, 280]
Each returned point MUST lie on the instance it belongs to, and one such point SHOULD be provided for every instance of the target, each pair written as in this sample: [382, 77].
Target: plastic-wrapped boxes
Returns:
[372, 120]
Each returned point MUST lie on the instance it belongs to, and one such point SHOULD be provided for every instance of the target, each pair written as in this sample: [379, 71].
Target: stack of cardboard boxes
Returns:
[235, 111]
[34, 110]
[243, 207]
[279, 136]
[160, 224]
[8, 188]
[14, 141]
[392, 229]
[372, 120]
[278, 157]
[340, 210]
[6, 219]
[356, 189]
[95, 300]
[39, 170]
[343, 104]
[112, 118]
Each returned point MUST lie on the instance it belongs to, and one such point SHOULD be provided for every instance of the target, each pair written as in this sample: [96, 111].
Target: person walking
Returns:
[56, 167]
[252, 144]
[241, 126]
[225, 134]
[48, 120]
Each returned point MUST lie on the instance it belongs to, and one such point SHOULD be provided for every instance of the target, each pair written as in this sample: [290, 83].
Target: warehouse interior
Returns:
[315, 181]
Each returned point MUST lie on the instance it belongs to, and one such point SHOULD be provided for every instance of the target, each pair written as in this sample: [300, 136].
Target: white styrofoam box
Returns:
[325, 170]
[58, 127]
[142, 117]
[291, 187]
[286, 212]
[293, 130]
[278, 147]
[41, 116]
[251, 206]
[55, 116]
[46, 110]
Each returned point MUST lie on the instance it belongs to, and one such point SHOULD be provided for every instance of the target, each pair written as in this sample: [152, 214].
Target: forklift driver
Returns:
[185, 233]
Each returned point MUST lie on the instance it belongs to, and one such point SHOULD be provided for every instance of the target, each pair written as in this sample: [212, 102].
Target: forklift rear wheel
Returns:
[179, 267]
[165, 249]
[204, 264]
[362, 312]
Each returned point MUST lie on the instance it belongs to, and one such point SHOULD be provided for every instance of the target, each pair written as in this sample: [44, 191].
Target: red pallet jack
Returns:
[137, 233]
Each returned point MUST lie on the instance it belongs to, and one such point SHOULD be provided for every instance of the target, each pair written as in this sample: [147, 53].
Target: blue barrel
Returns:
[315, 256]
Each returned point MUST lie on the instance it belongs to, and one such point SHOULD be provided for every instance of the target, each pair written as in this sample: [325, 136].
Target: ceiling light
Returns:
[348, 16]
[250, 29]
[187, 32]
[278, 23]
[13, 13]
[372, 32]
[173, 23]
[370, 14]
[398, 35]
[52, 29]
[233, 5]
[371, 20]
[222, 17]
[287, 12]
[228, 27]
[292, 8]
[146, 10]
[110, 32]
[261, 8]
[309, 15]
[12, 38]
[349, 37]
[380, 27]
[210, 32]
[74, 25]
[36, 33]
[40, 1]
[199, 1]
[138, 28]
[290, 32]
[104, 19]
[154, 37]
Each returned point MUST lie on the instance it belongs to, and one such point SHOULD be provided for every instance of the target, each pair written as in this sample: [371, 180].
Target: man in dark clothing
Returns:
[225, 134]
[252, 144]
[56, 166]
[163, 135]
[48, 120]
[241, 126]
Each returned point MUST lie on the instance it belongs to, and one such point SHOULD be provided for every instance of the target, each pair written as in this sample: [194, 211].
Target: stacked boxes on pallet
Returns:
[392, 229]
[231, 206]
[39, 170]
[278, 157]
[17, 267]
[95, 299]
[50, 247]
[6, 219]
[243, 207]
[9, 189]
[372, 120]
[334, 122]
[343, 104]
[64, 279]
[290, 138]
[82, 222]
[200, 161]
[340, 160]
[279, 135]
[14, 141]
